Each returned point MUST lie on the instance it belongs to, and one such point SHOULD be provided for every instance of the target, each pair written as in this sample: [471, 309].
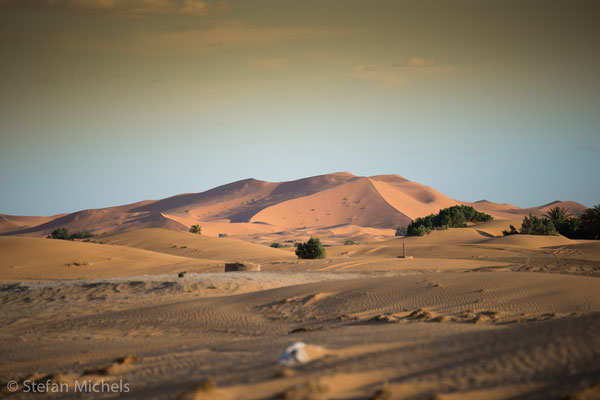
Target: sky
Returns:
[108, 102]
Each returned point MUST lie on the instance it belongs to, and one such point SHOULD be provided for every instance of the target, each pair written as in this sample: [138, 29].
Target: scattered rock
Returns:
[284, 372]
[114, 367]
[383, 319]
[441, 318]
[298, 330]
[383, 393]
[420, 314]
[241, 266]
[128, 359]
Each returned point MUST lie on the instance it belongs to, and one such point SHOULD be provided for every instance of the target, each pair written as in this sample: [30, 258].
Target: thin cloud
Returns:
[192, 41]
[386, 75]
[383, 76]
[119, 8]
[414, 62]
[369, 68]
[271, 63]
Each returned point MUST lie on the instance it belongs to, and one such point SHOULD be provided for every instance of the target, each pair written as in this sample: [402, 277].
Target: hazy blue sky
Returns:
[106, 102]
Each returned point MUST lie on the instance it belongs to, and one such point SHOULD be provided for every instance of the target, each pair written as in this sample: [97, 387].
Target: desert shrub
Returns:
[82, 235]
[512, 231]
[64, 234]
[349, 242]
[533, 225]
[311, 249]
[197, 229]
[452, 217]
[590, 223]
[401, 231]
[421, 231]
[222, 235]
[60, 233]
[276, 245]
[571, 228]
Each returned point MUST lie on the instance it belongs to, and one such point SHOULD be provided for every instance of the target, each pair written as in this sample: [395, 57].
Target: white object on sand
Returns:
[294, 354]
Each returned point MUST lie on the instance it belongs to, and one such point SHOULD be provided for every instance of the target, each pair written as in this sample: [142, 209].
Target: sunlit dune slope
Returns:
[356, 202]
[36, 258]
[195, 246]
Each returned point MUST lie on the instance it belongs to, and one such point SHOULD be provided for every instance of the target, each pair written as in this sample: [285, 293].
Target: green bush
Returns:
[349, 242]
[61, 233]
[512, 231]
[533, 225]
[401, 231]
[197, 229]
[276, 245]
[311, 249]
[222, 235]
[452, 217]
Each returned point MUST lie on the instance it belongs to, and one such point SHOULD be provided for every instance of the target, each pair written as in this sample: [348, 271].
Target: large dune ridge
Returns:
[259, 211]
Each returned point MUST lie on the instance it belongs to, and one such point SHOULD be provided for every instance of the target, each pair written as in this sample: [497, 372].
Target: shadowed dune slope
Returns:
[11, 223]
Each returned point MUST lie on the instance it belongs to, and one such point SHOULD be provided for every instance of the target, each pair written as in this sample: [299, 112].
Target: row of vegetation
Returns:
[452, 217]
[64, 234]
[557, 220]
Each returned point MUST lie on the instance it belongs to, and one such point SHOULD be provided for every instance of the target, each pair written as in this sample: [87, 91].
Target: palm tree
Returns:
[590, 222]
[558, 216]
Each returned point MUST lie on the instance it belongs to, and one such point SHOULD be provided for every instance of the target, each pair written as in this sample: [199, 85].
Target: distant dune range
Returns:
[335, 206]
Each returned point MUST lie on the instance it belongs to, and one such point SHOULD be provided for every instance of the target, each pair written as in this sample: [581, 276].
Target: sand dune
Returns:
[507, 211]
[530, 241]
[23, 258]
[193, 246]
[410, 198]
[264, 211]
[11, 223]
[354, 203]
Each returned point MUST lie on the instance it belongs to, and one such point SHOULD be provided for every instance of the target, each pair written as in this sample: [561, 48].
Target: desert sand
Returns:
[470, 316]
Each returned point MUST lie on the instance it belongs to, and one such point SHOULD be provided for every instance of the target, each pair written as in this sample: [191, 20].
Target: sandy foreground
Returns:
[471, 316]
